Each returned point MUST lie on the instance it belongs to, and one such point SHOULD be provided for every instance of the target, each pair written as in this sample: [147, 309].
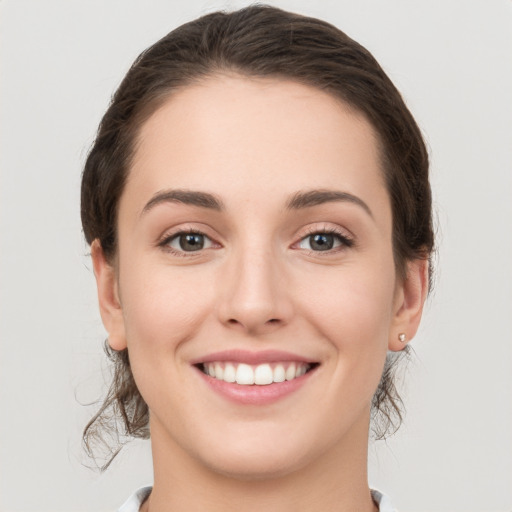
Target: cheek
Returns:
[162, 309]
[352, 310]
[358, 297]
[161, 306]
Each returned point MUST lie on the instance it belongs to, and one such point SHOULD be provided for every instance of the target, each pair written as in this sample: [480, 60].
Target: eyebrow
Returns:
[191, 197]
[298, 201]
[316, 197]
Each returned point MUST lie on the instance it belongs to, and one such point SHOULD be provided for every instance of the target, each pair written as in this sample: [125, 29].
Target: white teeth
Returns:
[260, 375]
[219, 371]
[279, 373]
[244, 374]
[290, 372]
[229, 373]
[263, 375]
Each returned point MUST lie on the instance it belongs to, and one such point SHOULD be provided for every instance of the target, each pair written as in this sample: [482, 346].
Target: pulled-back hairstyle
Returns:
[257, 41]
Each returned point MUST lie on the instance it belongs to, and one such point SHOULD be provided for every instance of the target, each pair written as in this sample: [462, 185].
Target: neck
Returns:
[334, 482]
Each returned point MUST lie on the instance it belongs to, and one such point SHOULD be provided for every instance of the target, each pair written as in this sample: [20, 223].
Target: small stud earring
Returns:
[402, 337]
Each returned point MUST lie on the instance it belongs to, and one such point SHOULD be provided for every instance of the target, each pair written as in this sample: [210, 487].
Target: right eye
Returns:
[188, 242]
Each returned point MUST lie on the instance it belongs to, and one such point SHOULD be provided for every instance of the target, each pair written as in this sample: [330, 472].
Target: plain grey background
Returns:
[60, 62]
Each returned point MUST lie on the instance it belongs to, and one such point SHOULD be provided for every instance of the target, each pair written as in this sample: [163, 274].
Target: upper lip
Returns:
[250, 357]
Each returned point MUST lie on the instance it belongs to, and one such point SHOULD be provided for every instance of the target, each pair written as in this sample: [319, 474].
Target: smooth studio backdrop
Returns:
[60, 62]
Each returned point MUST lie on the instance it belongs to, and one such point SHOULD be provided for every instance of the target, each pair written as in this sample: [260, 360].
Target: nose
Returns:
[255, 297]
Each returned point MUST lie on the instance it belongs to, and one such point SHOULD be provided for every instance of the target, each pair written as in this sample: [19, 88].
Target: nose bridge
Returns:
[255, 295]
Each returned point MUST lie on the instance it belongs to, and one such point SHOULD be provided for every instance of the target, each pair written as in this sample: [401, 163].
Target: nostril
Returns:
[254, 324]
[234, 321]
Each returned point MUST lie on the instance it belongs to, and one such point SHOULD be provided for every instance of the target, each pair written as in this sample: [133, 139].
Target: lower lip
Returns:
[255, 395]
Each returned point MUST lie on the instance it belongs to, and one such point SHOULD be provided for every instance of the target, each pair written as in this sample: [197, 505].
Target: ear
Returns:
[108, 297]
[410, 295]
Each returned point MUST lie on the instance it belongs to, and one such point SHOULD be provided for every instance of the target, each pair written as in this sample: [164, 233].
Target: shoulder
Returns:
[133, 503]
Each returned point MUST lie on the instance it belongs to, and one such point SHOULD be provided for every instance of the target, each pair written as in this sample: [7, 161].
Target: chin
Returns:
[254, 457]
[254, 467]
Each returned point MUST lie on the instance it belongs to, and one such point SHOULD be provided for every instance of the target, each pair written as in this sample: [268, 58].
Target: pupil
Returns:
[191, 242]
[322, 242]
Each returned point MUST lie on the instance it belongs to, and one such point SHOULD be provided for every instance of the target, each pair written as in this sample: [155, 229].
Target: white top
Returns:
[135, 500]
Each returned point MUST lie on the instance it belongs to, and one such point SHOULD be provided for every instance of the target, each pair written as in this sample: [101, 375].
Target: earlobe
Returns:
[108, 297]
[409, 300]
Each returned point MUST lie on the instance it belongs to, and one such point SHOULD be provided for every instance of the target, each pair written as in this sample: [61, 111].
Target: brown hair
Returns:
[257, 41]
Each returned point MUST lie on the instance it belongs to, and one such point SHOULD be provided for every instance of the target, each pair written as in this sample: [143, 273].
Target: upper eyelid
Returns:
[169, 234]
[325, 229]
[328, 228]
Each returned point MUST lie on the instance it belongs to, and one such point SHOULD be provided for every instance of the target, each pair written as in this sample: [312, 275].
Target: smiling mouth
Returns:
[255, 375]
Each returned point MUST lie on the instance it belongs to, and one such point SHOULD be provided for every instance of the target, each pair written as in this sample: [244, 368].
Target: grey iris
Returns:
[321, 242]
[191, 242]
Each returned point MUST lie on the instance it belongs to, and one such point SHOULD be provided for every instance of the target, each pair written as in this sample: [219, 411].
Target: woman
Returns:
[259, 213]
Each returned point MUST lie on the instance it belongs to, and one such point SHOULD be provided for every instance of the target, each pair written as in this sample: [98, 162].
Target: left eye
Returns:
[322, 241]
[189, 242]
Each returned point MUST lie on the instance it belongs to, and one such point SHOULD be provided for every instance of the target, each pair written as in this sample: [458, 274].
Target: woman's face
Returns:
[255, 242]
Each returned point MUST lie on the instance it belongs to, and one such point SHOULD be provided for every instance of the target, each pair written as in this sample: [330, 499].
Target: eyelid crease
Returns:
[343, 233]
[183, 228]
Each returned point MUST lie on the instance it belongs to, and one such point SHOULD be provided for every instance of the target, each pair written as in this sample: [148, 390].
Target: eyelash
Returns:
[346, 241]
[164, 244]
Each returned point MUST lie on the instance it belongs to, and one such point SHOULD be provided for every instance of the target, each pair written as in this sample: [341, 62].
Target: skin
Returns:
[259, 284]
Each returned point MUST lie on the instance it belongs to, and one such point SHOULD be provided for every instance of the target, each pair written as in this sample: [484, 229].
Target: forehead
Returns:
[244, 137]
